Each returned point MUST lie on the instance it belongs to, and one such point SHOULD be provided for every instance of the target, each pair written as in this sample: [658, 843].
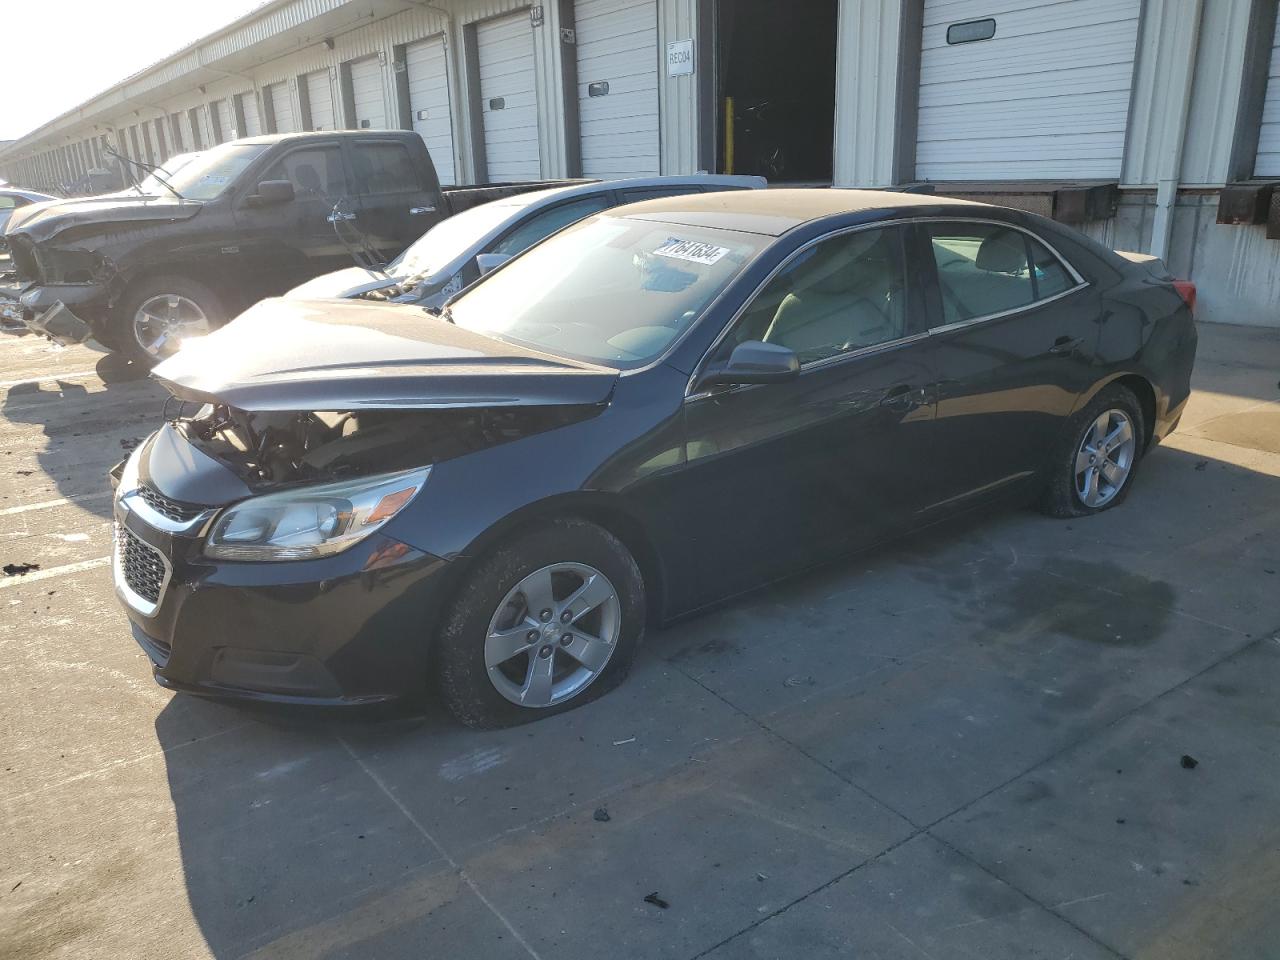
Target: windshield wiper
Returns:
[153, 170]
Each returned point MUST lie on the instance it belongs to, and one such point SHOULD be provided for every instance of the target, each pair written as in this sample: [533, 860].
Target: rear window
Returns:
[385, 167]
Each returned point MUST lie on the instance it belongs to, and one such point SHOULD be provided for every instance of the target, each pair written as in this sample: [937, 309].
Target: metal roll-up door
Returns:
[508, 98]
[223, 121]
[1025, 91]
[1268, 162]
[319, 94]
[252, 122]
[427, 71]
[366, 89]
[281, 107]
[617, 56]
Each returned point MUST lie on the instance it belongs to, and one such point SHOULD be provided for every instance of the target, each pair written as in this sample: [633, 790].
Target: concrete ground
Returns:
[970, 745]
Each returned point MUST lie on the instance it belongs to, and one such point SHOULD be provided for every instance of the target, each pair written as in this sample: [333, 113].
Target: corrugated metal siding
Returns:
[866, 93]
[1046, 98]
[426, 68]
[1267, 163]
[508, 99]
[319, 94]
[282, 107]
[617, 45]
[370, 100]
[223, 121]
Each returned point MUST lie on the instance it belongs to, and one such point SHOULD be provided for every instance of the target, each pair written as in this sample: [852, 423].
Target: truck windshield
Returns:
[213, 171]
[610, 290]
[448, 238]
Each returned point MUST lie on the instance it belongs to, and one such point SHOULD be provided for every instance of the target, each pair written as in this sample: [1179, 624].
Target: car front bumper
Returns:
[350, 629]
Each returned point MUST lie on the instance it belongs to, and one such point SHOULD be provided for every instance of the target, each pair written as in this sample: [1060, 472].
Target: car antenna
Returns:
[151, 169]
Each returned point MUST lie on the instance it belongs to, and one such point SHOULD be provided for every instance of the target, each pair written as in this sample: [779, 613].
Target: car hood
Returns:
[41, 222]
[348, 282]
[341, 355]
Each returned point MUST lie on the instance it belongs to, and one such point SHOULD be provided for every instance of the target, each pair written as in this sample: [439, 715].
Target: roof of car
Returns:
[773, 212]
[709, 181]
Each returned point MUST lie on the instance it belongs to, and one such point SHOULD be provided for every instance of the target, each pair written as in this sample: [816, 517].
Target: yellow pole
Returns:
[728, 134]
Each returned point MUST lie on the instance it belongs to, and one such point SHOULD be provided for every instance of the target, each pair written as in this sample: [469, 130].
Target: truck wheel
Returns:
[155, 316]
[549, 621]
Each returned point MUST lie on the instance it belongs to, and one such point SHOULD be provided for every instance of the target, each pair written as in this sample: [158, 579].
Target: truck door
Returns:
[398, 197]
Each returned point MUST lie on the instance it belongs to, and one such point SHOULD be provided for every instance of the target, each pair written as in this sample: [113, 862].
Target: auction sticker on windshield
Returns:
[692, 250]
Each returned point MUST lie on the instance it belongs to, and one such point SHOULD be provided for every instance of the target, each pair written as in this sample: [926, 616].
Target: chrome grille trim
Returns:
[175, 510]
[141, 572]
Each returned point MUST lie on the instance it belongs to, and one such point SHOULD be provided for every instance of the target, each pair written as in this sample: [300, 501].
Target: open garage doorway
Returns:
[776, 88]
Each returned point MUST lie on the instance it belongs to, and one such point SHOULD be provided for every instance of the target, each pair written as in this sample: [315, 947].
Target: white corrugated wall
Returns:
[368, 94]
[1046, 98]
[1267, 163]
[281, 107]
[508, 98]
[319, 94]
[427, 72]
[252, 122]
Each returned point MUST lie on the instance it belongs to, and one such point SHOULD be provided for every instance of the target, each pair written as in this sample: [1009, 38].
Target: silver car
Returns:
[456, 251]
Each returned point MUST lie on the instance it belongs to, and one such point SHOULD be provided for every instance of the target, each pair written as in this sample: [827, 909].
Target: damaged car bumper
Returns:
[62, 311]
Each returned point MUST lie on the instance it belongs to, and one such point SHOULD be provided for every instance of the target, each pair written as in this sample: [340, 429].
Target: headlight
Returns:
[311, 521]
[129, 472]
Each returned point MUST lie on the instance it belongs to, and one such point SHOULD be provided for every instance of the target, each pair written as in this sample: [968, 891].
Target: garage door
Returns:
[617, 54]
[281, 107]
[1025, 91]
[428, 76]
[366, 87]
[223, 121]
[508, 99]
[252, 122]
[319, 94]
[1268, 164]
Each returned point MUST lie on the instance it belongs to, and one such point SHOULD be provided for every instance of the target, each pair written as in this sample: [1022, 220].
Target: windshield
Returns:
[209, 174]
[611, 289]
[151, 184]
[450, 237]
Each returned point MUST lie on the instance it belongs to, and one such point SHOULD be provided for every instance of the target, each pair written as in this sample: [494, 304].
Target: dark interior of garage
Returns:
[776, 74]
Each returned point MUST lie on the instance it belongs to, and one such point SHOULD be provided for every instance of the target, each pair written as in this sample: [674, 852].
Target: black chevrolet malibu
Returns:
[651, 411]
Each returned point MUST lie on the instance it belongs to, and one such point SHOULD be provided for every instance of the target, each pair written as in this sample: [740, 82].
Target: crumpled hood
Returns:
[43, 221]
[338, 355]
[348, 282]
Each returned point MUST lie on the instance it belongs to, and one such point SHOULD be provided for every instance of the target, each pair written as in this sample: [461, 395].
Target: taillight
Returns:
[1187, 290]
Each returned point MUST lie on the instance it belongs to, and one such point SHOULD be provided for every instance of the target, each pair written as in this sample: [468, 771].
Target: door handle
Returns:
[418, 211]
[902, 396]
[337, 217]
[1064, 345]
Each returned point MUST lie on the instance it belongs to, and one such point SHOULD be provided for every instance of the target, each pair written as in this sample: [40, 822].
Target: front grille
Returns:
[141, 565]
[175, 510]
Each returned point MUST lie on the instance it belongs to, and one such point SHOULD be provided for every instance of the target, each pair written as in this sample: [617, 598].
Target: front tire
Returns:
[156, 315]
[1094, 462]
[547, 622]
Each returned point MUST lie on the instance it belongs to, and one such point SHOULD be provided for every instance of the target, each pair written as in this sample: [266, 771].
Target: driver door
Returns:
[783, 475]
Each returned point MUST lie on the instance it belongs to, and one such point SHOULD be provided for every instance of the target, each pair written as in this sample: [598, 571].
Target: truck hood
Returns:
[41, 222]
[344, 355]
[348, 282]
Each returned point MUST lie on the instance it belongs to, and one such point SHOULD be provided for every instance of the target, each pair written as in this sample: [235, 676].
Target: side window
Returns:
[7, 202]
[546, 223]
[384, 167]
[982, 269]
[654, 193]
[1050, 276]
[313, 171]
[841, 294]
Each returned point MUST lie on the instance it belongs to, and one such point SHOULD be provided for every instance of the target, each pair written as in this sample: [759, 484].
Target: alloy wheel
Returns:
[162, 322]
[1105, 458]
[553, 634]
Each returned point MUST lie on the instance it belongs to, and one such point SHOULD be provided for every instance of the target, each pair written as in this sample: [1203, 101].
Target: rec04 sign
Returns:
[679, 58]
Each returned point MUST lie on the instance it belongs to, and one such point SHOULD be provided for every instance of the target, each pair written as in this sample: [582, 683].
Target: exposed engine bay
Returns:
[271, 449]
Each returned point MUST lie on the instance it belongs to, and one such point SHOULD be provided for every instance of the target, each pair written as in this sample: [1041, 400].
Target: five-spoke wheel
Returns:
[1105, 458]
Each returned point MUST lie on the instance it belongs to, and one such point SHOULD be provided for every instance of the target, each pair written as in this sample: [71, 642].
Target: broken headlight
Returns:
[310, 522]
[70, 266]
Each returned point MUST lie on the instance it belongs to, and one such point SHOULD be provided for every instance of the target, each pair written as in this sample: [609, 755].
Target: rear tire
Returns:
[1094, 461]
[138, 323]
[481, 685]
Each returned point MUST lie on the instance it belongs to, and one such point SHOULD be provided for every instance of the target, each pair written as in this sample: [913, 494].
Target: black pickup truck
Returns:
[244, 220]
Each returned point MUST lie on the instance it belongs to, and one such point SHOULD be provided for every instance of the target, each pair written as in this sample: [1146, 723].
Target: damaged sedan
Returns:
[656, 409]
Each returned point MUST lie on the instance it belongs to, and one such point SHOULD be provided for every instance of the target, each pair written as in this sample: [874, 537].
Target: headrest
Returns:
[863, 259]
[1003, 252]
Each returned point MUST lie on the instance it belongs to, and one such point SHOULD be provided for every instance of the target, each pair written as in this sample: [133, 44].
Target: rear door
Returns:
[1014, 330]
[397, 204]
[783, 475]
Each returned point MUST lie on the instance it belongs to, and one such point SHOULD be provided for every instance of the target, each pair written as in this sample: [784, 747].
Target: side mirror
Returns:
[272, 191]
[490, 261]
[753, 361]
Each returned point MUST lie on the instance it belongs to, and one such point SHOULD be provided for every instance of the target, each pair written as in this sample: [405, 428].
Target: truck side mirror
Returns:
[271, 192]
